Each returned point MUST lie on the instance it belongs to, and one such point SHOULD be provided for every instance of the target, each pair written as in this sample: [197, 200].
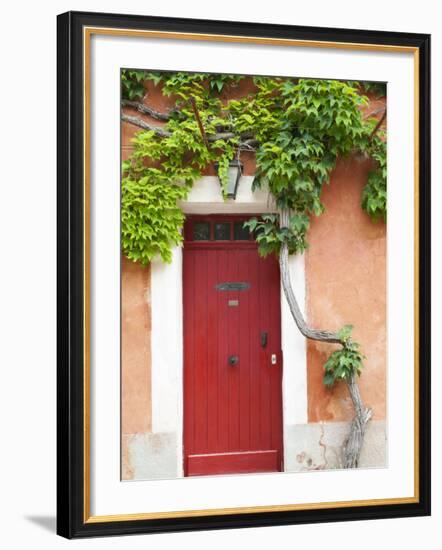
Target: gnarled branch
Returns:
[353, 444]
[146, 110]
[379, 124]
[249, 144]
[137, 121]
[374, 113]
[311, 333]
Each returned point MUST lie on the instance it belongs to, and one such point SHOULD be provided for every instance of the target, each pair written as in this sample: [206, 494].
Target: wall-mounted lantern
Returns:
[234, 175]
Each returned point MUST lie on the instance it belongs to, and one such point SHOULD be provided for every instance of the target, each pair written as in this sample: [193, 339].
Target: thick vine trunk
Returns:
[353, 444]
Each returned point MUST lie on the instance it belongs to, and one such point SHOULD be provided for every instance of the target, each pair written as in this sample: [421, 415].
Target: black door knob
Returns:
[233, 359]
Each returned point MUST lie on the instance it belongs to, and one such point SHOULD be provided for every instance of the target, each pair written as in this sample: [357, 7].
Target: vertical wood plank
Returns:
[254, 352]
[244, 350]
[212, 351]
[223, 382]
[200, 359]
[233, 349]
[276, 370]
[264, 378]
[188, 335]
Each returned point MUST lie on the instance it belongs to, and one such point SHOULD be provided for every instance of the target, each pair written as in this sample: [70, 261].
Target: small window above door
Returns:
[217, 229]
[222, 231]
[240, 233]
[201, 231]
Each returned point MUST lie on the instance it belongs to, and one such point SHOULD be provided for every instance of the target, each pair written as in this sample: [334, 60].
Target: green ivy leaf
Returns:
[344, 333]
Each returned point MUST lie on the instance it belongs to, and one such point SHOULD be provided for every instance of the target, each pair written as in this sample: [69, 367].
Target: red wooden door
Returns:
[232, 351]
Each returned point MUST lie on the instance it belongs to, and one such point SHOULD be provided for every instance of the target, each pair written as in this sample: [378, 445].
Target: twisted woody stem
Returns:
[353, 444]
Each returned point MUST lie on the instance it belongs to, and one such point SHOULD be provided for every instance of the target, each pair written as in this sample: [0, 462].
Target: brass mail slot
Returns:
[232, 286]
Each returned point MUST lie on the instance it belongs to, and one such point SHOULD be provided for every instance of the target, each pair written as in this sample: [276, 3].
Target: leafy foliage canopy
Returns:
[298, 128]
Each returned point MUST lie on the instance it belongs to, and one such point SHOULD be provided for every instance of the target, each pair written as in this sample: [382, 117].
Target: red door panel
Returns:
[232, 412]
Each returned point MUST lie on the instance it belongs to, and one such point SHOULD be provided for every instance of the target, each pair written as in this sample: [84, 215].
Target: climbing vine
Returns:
[132, 84]
[297, 128]
[167, 161]
[346, 362]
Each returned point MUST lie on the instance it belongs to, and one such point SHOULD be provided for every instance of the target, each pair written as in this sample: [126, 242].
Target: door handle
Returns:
[233, 359]
[264, 336]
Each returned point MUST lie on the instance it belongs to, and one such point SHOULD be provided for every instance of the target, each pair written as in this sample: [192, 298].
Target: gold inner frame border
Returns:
[88, 32]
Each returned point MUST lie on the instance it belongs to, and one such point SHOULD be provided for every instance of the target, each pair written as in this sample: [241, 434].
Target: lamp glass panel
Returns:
[233, 175]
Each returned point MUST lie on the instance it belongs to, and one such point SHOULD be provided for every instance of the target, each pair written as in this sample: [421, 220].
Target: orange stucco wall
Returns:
[345, 271]
[135, 348]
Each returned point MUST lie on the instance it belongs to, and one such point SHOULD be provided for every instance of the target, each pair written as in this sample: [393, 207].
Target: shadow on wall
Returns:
[48, 523]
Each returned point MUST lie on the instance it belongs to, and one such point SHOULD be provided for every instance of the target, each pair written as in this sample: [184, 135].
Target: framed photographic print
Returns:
[243, 274]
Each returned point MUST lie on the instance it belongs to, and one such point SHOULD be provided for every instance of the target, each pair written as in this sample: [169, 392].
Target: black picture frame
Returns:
[72, 520]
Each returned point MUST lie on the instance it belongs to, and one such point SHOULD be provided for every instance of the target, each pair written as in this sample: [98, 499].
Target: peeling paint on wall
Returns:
[318, 446]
